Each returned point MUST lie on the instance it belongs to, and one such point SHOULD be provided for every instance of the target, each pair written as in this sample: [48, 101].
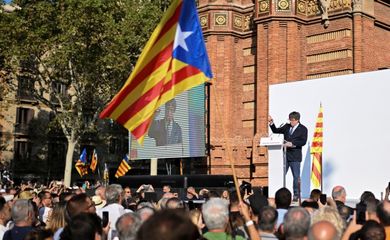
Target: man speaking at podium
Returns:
[295, 137]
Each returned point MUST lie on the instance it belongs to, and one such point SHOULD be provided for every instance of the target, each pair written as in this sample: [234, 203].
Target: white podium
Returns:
[276, 162]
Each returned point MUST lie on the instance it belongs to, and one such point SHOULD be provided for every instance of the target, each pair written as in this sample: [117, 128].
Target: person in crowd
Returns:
[296, 223]
[197, 219]
[46, 205]
[39, 234]
[372, 230]
[168, 224]
[323, 230]
[225, 195]
[5, 216]
[383, 212]
[282, 202]
[312, 202]
[216, 218]
[331, 215]
[295, 136]
[127, 198]
[145, 213]
[175, 203]
[127, 226]
[257, 201]
[339, 195]
[65, 196]
[80, 203]
[114, 196]
[191, 194]
[23, 216]
[57, 217]
[236, 224]
[86, 226]
[372, 205]
[267, 223]
[101, 192]
[166, 189]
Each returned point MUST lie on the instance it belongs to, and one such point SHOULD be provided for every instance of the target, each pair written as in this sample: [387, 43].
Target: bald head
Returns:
[322, 230]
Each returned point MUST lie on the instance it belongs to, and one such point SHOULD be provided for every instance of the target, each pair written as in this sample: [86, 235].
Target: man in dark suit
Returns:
[166, 131]
[295, 136]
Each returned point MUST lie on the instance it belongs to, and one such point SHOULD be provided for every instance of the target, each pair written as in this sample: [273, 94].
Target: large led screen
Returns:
[178, 129]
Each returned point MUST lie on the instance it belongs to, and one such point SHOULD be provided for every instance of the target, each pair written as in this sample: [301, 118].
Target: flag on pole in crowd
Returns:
[81, 164]
[316, 152]
[94, 161]
[106, 175]
[174, 60]
[123, 168]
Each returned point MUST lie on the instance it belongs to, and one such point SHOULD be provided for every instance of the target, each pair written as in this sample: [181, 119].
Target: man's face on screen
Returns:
[169, 111]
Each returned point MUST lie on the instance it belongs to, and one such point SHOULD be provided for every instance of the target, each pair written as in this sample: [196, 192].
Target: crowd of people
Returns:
[32, 211]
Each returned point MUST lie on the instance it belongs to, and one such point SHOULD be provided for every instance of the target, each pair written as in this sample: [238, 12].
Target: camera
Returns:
[246, 186]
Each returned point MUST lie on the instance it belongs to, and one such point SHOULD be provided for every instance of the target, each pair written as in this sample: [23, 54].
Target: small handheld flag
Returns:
[94, 161]
[123, 168]
[80, 165]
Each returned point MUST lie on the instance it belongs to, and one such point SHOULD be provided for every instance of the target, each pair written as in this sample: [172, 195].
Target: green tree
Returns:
[77, 53]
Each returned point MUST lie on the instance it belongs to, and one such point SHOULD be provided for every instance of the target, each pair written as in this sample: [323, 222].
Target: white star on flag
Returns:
[180, 38]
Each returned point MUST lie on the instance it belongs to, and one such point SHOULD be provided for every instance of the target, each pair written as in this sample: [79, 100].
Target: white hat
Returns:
[8, 197]
[99, 202]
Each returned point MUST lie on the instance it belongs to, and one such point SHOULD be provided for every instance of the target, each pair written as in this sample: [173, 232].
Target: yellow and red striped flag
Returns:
[123, 168]
[174, 60]
[316, 152]
[94, 161]
[81, 164]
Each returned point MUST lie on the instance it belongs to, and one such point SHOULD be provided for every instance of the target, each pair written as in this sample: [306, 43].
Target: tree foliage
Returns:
[77, 53]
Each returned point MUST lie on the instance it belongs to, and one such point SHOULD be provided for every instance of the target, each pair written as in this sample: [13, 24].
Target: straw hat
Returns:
[99, 202]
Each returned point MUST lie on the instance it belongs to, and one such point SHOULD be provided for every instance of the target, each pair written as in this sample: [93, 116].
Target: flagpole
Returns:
[228, 148]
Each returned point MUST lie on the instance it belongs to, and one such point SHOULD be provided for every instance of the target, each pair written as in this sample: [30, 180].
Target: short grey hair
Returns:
[21, 209]
[127, 226]
[113, 193]
[338, 192]
[216, 213]
[296, 223]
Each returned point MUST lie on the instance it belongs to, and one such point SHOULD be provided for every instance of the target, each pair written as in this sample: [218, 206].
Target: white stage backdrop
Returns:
[356, 129]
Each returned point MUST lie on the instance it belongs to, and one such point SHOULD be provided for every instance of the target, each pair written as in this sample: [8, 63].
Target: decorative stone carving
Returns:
[204, 21]
[283, 5]
[301, 7]
[247, 22]
[263, 6]
[220, 19]
[237, 22]
[324, 5]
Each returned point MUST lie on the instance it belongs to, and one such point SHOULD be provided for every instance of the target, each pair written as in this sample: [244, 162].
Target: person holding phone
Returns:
[295, 136]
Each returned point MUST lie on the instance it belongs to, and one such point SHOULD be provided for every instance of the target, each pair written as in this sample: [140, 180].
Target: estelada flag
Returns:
[123, 168]
[94, 161]
[81, 164]
[173, 61]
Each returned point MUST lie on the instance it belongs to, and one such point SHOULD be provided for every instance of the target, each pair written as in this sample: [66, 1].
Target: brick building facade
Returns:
[253, 44]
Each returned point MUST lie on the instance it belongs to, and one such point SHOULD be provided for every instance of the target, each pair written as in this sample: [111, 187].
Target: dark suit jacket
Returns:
[159, 132]
[298, 139]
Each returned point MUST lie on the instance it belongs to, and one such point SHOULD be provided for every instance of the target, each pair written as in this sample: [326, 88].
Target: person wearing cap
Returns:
[5, 216]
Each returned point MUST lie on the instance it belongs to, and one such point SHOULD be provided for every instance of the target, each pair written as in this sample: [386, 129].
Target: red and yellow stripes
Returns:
[123, 168]
[316, 151]
[156, 79]
[94, 161]
[81, 168]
